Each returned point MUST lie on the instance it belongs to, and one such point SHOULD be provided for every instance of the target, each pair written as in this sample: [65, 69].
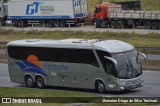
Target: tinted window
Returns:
[22, 53]
[54, 54]
[98, 10]
[70, 56]
[107, 64]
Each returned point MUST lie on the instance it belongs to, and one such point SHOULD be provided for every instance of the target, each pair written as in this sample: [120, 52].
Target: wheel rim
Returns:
[62, 23]
[101, 87]
[40, 82]
[56, 23]
[29, 82]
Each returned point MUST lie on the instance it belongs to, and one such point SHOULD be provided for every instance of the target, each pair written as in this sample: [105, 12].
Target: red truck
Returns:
[112, 15]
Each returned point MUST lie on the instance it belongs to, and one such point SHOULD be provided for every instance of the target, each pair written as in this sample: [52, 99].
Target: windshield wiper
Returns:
[133, 68]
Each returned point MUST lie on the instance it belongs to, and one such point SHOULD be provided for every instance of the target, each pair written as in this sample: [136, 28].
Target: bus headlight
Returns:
[121, 82]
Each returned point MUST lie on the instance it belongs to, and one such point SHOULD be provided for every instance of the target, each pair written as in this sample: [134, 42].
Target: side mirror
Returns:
[113, 60]
[142, 54]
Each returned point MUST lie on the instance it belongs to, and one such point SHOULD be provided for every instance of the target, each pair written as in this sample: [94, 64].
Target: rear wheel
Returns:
[14, 23]
[29, 82]
[147, 24]
[62, 23]
[40, 82]
[159, 25]
[113, 24]
[3, 22]
[154, 25]
[51, 23]
[100, 87]
[20, 24]
[119, 24]
[56, 23]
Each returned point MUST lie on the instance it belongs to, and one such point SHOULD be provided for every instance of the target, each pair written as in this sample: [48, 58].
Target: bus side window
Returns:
[83, 56]
[17, 52]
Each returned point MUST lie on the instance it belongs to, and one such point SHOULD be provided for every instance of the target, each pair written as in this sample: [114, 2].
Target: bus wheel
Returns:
[29, 81]
[100, 87]
[40, 82]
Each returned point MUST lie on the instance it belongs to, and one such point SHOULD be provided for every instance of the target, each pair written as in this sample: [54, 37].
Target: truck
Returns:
[113, 16]
[50, 12]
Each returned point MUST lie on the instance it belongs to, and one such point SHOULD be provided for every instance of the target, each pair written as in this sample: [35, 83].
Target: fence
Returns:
[83, 27]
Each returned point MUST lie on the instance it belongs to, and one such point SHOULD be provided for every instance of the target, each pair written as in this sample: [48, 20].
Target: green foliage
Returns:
[30, 92]
[133, 38]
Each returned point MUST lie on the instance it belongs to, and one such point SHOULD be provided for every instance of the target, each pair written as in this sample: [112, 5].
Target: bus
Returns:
[103, 65]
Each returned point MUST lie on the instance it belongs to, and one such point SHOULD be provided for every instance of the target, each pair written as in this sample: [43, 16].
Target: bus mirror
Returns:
[142, 54]
[113, 60]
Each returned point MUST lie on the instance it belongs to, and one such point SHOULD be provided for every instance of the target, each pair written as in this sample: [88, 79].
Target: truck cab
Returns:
[101, 13]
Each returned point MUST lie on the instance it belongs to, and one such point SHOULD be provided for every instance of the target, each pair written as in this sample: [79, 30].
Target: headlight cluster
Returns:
[121, 82]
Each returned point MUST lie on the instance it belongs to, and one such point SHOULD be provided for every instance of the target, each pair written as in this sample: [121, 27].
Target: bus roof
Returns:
[111, 46]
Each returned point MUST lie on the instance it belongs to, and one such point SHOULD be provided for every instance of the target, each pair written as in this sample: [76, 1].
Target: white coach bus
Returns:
[91, 64]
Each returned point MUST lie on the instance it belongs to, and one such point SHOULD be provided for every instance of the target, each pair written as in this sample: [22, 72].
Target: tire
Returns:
[147, 24]
[29, 82]
[14, 23]
[51, 23]
[3, 22]
[56, 23]
[100, 87]
[119, 24]
[154, 25]
[20, 24]
[98, 25]
[62, 23]
[40, 82]
[158, 25]
[113, 24]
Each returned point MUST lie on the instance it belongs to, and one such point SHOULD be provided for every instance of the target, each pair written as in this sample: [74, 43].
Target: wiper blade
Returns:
[133, 68]
[127, 69]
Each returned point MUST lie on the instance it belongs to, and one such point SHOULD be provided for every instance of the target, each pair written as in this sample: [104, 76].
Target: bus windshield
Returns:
[128, 65]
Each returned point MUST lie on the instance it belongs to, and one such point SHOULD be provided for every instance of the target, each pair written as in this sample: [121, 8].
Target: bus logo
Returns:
[33, 8]
[32, 64]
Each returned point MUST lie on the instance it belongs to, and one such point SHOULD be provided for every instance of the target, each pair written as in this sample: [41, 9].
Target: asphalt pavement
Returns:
[151, 86]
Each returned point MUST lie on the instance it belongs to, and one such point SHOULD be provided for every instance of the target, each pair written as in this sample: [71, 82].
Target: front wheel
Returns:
[40, 82]
[100, 87]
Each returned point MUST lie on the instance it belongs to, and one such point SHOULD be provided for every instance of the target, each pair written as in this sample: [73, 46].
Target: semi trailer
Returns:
[50, 12]
[113, 16]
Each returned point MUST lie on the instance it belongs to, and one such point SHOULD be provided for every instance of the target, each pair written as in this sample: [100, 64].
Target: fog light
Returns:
[142, 84]
[122, 87]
